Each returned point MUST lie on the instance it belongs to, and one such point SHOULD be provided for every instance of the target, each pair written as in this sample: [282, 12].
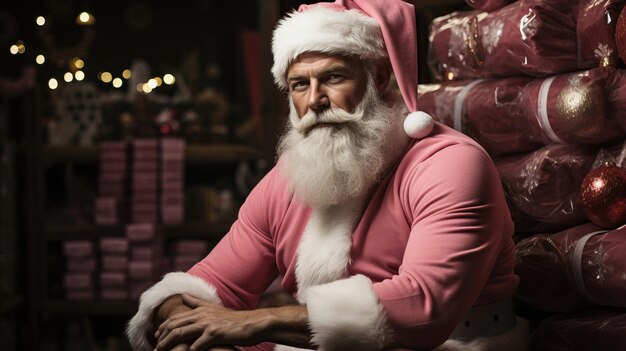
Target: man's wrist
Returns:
[166, 308]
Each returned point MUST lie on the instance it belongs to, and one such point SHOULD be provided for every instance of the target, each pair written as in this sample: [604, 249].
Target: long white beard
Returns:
[340, 161]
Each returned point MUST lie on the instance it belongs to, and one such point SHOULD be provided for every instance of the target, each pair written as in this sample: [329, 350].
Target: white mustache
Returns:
[328, 116]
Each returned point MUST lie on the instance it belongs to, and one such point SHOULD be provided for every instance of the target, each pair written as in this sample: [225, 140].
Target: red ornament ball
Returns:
[603, 196]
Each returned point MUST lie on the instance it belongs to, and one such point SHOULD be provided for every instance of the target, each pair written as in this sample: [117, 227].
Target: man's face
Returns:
[320, 81]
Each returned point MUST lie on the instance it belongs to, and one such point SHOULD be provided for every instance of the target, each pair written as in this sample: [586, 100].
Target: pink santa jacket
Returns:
[434, 239]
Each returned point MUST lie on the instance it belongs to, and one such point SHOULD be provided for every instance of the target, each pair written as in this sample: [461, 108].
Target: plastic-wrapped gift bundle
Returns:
[597, 329]
[514, 115]
[489, 111]
[531, 37]
[571, 269]
[488, 5]
[542, 187]
[582, 107]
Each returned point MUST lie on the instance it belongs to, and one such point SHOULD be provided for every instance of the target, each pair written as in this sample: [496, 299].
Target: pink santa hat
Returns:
[371, 29]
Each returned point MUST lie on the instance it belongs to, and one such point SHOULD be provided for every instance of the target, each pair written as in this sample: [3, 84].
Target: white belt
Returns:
[486, 320]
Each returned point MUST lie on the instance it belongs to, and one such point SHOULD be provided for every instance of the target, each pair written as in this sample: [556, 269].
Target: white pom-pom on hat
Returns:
[418, 124]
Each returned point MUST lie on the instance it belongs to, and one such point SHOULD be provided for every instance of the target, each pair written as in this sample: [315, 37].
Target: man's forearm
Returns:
[288, 325]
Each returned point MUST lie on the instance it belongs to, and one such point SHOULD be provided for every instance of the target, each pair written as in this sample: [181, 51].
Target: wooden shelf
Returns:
[91, 308]
[207, 231]
[194, 153]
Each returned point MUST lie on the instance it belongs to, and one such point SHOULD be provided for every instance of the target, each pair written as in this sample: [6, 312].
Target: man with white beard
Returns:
[388, 238]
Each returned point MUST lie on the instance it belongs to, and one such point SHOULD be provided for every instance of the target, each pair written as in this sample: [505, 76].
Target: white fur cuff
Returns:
[346, 315]
[171, 284]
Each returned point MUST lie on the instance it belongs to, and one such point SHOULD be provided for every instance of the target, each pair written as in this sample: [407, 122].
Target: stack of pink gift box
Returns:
[172, 180]
[124, 267]
[114, 264]
[111, 183]
[145, 181]
[145, 257]
[81, 265]
[187, 252]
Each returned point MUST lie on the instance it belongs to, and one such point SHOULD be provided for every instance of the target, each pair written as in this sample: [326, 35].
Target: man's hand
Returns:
[170, 307]
[209, 324]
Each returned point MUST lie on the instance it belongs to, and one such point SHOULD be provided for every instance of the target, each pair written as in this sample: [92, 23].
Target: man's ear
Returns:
[383, 76]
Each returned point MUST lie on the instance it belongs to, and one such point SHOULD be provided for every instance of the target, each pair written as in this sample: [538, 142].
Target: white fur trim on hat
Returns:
[320, 29]
[346, 315]
[171, 284]
[418, 124]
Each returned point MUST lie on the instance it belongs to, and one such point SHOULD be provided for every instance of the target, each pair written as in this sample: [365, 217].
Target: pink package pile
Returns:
[78, 281]
[114, 262]
[145, 262]
[145, 181]
[186, 253]
[172, 180]
[111, 183]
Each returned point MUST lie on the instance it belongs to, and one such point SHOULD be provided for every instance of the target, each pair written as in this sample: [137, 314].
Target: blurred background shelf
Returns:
[194, 153]
[90, 308]
[206, 231]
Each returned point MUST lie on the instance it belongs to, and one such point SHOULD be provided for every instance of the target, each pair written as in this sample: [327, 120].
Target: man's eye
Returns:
[299, 85]
[335, 78]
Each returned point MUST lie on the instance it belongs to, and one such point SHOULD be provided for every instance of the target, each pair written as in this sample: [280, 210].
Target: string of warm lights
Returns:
[77, 64]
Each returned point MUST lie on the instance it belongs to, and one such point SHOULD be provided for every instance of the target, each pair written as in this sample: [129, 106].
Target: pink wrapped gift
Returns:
[141, 166]
[173, 215]
[173, 145]
[138, 270]
[542, 187]
[112, 279]
[527, 37]
[78, 249]
[593, 329]
[77, 280]
[172, 165]
[114, 245]
[145, 197]
[145, 144]
[515, 115]
[189, 247]
[81, 264]
[139, 232]
[114, 263]
[144, 253]
[571, 269]
[170, 156]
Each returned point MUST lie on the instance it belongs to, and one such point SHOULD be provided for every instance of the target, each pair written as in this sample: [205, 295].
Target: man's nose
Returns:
[318, 99]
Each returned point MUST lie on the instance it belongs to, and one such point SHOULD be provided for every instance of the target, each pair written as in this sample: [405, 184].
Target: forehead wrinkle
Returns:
[336, 66]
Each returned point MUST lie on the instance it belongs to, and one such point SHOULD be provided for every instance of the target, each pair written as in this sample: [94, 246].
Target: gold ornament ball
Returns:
[580, 112]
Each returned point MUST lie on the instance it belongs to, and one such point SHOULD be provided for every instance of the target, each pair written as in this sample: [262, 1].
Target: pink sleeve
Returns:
[243, 264]
[459, 218]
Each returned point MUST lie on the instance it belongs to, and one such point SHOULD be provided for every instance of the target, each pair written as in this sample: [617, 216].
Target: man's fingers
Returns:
[178, 335]
[171, 324]
[201, 343]
[180, 347]
[192, 302]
